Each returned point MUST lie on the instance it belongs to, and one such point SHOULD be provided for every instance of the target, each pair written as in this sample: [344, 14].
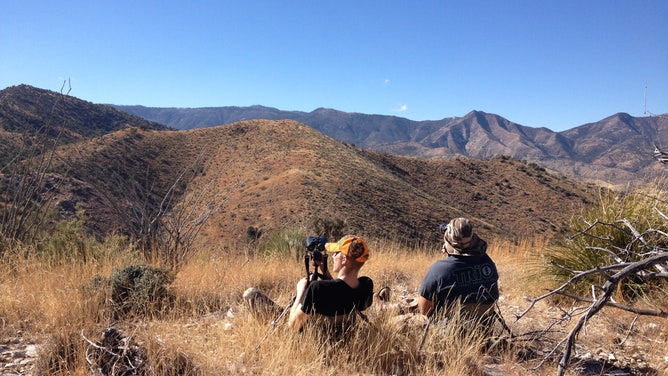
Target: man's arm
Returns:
[297, 316]
[425, 306]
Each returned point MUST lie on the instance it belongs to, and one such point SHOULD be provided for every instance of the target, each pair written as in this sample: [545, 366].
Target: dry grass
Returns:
[209, 332]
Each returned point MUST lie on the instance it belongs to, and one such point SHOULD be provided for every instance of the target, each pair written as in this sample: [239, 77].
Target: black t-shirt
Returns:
[335, 298]
[469, 279]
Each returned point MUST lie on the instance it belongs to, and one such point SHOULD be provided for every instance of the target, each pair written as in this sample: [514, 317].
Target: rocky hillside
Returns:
[282, 173]
[27, 110]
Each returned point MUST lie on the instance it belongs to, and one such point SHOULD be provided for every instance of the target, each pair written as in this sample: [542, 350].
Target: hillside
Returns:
[281, 174]
[275, 174]
[26, 109]
[616, 150]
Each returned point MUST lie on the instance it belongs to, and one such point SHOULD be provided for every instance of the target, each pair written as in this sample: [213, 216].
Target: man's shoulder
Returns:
[468, 259]
[326, 282]
[366, 283]
[453, 262]
[365, 280]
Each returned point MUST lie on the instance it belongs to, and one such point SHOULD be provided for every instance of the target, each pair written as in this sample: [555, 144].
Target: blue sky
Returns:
[557, 64]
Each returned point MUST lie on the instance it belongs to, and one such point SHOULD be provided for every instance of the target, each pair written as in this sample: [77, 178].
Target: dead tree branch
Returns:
[608, 289]
[624, 307]
[28, 186]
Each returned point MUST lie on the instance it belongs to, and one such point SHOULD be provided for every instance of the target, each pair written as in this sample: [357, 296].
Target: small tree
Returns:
[178, 227]
[164, 221]
[27, 184]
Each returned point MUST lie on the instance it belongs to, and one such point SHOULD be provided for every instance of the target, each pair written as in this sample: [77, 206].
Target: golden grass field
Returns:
[208, 331]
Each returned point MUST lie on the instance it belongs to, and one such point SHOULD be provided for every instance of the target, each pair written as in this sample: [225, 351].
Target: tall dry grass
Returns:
[207, 330]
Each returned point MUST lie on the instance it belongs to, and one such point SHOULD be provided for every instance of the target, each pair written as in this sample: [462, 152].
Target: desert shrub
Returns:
[286, 243]
[138, 290]
[253, 234]
[68, 242]
[622, 227]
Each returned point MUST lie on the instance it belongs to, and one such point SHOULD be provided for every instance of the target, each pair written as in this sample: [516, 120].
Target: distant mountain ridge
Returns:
[615, 150]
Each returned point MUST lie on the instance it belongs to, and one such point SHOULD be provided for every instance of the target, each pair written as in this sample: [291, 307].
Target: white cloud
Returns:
[387, 81]
[402, 108]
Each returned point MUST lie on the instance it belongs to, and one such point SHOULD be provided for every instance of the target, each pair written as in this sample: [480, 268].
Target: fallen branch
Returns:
[642, 312]
[578, 276]
[608, 288]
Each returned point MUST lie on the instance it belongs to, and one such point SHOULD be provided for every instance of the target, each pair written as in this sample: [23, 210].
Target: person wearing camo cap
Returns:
[467, 276]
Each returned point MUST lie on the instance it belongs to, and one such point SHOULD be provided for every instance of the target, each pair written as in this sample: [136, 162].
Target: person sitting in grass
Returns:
[467, 276]
[337, 301]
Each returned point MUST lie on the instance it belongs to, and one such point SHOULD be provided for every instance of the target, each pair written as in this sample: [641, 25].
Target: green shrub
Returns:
[607, 234]
[140, 290]
[284, 244]
[68, 241]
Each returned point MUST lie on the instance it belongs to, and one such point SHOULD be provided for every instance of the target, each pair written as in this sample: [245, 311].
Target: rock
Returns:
[32, 351]
[17, 356]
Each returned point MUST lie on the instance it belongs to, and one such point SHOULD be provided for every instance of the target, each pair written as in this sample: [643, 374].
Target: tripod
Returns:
[319, 262]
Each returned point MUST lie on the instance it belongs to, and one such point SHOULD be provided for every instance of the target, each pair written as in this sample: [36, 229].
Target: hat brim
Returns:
[332, 247]
[450, 249]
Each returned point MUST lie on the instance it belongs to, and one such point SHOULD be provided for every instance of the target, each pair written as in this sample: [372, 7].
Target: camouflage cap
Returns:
[459, 232]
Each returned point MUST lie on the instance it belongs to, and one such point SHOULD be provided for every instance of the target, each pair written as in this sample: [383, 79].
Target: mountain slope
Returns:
[283, 173]
[27, 110]
[618, 148]
[32, 120]
[279, 174]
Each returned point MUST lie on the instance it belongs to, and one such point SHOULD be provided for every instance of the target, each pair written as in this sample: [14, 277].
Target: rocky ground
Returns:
[17, 356]
[610, 348]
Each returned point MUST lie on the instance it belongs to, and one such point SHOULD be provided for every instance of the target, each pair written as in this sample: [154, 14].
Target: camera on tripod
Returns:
[315, 250]
[315, 245]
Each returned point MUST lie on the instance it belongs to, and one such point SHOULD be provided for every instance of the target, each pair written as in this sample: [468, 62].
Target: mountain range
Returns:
[274, 174]
[615, 151]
